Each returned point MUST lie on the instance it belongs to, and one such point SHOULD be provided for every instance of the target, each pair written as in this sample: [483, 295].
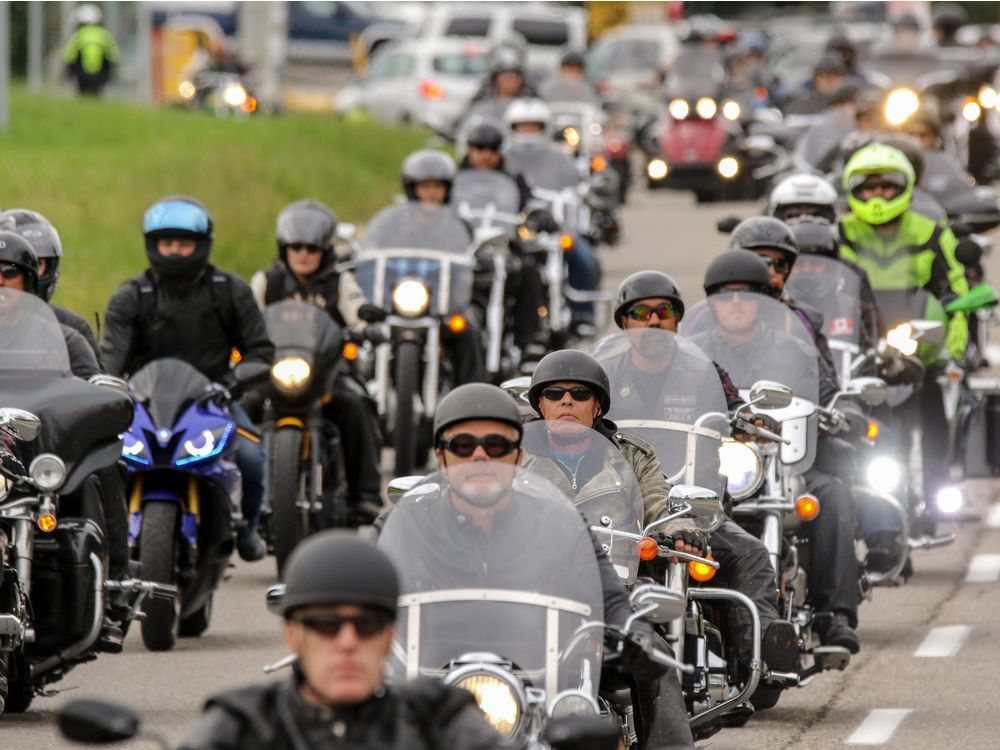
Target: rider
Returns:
[184, 307]
[803, 194]
[506, 81]
[91, 53]
[427, 177]
[731, 282]
[306, 270]
[571, 385]
[339, 608]
[570, 83]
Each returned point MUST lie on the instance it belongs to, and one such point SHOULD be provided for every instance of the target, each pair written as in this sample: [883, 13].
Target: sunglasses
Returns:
[577, 392]
[664, 311]
[300, 247]
[11, 271]
[366, 625]
[780, 265]
[731, 295]
[464, 445]
[873, 182]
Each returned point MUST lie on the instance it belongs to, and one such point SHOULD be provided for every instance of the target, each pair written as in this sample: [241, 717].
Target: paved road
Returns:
[929, 702]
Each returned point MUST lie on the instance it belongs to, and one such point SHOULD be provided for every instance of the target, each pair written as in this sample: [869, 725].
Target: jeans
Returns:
[583, 273]
[250, 460]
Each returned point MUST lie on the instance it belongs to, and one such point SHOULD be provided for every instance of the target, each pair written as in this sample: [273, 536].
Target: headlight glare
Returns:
[496, 698]
[706, 108]
[731, 110]
[950, 500]
[411, 297]
[679, 109]
[47, 471]
[234, 95]
[900, 105]
[291, 374]
[884, 474]
[741, 465]
[657, 169]
[728, 167]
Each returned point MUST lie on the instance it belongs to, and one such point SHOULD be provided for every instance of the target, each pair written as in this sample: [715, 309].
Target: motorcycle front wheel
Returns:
[288, 522]
[158, 558]
[407, 383]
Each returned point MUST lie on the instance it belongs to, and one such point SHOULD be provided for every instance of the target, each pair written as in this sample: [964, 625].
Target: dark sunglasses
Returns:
[11, 271]
[780, 265]
[664, 311]
[366, 625]
[464, 445]
[577, 392]
[733, 295]
[299, 247]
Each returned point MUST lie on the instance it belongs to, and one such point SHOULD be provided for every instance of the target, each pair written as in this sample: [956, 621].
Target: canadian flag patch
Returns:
[841, 326]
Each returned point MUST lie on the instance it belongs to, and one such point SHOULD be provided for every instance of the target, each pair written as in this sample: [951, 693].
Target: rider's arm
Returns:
[350, 298]
[120, 330]
[82, 360]
[258, 285]
[947, 282]
[252, 342]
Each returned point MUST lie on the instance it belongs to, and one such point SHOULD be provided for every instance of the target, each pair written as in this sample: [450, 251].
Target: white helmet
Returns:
[88, 14]
[812, 193]
[522, 111]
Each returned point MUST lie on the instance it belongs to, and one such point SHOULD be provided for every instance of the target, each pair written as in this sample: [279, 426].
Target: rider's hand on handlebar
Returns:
[690, 541]
[762, 421]
[216, 392]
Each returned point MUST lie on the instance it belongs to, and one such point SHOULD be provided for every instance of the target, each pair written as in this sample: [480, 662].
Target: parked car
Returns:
[425, 82]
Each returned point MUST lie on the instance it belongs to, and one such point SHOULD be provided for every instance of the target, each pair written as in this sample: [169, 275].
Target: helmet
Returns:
[815, 236]
[507, 60]
[572, 59]
[572, 365]
[737, 267]
[485, 135]
[829, 64]
[87, 15]
[645, 285]
[752, 41]
[522, 111]
[764, 233]
[949, 18]
[804, 190]
[476, 401]
[339, 567]
[44, 240]
[305, 222]
[839, 41]
[178, 216]
[426, 165]
[878, 159]
[17, 250]
[929, 113]
[907, 21]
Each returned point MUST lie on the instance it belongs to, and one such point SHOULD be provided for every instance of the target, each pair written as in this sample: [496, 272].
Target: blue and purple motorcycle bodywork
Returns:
[184, 494]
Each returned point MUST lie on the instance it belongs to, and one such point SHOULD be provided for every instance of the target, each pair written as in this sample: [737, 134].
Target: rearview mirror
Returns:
[728, 224]
[109, 381]
[400, 486]
[873, 391]
[346, 231]
[19, 424]
[929, 331]
[96, 722]
[275, 599]
[706, 507]
[769, 395]
[669, 604]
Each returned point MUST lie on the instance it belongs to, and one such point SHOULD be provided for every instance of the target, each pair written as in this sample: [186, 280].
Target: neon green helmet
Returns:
[885, 160]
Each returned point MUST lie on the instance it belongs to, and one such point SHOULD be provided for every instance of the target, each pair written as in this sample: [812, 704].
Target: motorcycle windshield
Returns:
[594, 473]
[667, 392]
[754, 337]
[295, 326]
[832, 289]
[695, 73]
[495, 560]
[903, 305]
[166, 387]
[485, 197]
[30, 336]
[542, 163]
[415, 225]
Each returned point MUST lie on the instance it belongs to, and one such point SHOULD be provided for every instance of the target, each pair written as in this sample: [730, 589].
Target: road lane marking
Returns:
[878, 727]
[994, 518]
[984, 569]
[943, 642]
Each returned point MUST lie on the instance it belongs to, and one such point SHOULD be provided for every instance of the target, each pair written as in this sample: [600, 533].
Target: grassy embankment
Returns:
[93, 167]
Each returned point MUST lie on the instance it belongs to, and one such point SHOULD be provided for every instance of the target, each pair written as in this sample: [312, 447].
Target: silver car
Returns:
[422, 82]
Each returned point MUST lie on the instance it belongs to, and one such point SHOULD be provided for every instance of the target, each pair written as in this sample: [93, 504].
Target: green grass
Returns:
[93, 167]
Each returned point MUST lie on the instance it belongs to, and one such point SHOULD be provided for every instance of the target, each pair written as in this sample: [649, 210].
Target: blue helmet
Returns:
[178, 216]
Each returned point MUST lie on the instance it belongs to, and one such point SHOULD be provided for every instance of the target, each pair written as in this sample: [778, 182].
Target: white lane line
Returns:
[984, 569]
[994, 518]
[943, 642]
[878, 727]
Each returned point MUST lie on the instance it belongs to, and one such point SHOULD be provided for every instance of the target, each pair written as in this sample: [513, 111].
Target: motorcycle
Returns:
[184, 491]
[417, 263]
[226, 94]
[305, 486]
[53, 554]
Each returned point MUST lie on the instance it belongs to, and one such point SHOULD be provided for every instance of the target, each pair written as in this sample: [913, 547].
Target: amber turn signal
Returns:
[456, 324]
[873, 430]
[648, 548]
[807, 507]
[351, 351]
[47, 522]
[701, 572]
[566, 242]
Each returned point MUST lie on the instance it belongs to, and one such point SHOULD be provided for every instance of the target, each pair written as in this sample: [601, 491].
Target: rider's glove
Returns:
[694, 537]
[216, 392]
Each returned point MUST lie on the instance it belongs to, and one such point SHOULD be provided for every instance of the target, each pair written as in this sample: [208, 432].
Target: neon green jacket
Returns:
[920, 254]
[91, 46]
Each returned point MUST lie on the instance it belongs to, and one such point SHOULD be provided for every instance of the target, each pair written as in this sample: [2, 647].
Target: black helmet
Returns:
[339, 567]
[829, 64]
[571, 365]
[645, 285]
[764, 233]
[44, 240]
[426, 165]
[178, 216]
[737, 267]
[476, 401]
[17, 250]
[948, 19]
[815, 236]
[485, 135]
[506, 60]
[305, 222]
[572, 59]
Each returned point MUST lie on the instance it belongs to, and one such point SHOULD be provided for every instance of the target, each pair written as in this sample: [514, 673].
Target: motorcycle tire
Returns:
[407, 384]
[287, 525]
[197, 622]
[158, 558]
[19, 692]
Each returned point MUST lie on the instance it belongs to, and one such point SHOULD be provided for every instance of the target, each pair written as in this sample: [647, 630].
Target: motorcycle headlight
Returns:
[741, 465]
[291, 375]
[5, 484]
[901, 339]
[134, 449]
[47, 471]
[706, 108]
[731, 110]
[572, 703]
[411, 297]
[234, 95]
[950, 500]
[187, 90]
[883, 474]
[900, 105]
[205, 445]
[679, 109]
[497, 697]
